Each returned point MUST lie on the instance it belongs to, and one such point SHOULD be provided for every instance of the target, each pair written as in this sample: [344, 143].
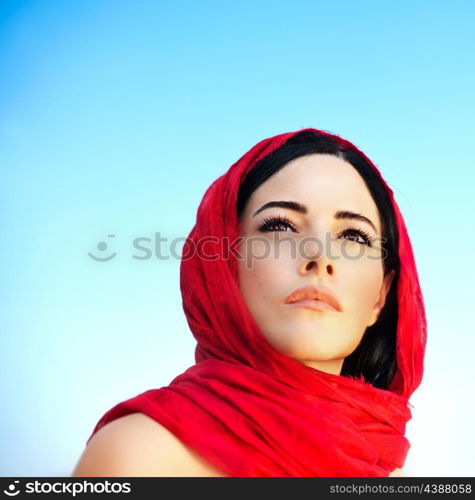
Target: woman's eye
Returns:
[283, 224]
[358, 237]
[276, 224]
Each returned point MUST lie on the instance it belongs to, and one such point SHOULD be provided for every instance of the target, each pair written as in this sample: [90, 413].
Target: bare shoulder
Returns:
[397, 473]
[136, 446]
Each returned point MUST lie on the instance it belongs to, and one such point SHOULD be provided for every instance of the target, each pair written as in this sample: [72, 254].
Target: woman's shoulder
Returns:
[136, 445]
[398, 473]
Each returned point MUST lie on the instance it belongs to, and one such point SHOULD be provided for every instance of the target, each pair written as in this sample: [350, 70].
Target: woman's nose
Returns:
[318, 267]
[316, 257]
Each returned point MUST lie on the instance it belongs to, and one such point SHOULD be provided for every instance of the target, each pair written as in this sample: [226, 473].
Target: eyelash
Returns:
[282, 219]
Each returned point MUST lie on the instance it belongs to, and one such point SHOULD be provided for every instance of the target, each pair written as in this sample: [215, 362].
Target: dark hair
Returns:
[375, 356]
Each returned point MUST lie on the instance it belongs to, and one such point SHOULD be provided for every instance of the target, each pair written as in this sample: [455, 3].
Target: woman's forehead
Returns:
[324, 184]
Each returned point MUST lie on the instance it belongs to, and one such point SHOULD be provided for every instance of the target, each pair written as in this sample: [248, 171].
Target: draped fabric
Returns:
[248, 409]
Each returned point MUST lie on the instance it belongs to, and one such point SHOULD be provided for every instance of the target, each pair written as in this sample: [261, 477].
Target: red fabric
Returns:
[251, 411]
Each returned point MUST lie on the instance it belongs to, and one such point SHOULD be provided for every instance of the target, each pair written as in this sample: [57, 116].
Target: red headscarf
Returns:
[252, 411]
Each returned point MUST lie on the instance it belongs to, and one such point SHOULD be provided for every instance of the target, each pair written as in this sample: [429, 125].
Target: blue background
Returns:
[115, 116]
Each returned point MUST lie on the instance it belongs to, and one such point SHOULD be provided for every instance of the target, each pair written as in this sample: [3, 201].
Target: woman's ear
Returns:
[381, 300]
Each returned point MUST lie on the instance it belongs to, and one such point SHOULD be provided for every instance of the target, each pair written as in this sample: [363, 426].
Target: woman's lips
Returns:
[316, 305]
[312, 295]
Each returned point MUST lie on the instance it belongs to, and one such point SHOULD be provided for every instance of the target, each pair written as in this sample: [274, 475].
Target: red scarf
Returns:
[252, 411]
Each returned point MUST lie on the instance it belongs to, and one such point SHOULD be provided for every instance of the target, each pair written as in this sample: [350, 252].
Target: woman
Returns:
[309, 343]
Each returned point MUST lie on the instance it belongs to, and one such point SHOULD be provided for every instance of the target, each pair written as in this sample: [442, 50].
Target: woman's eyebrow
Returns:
[298, 207]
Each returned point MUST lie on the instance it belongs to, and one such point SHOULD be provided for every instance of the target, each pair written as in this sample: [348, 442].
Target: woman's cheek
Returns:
[262, 279]
[362, 288]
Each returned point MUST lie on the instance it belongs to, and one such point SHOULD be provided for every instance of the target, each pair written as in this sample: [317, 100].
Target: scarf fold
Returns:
[252, 411]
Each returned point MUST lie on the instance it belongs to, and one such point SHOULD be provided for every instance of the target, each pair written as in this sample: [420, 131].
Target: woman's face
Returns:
[317, 248]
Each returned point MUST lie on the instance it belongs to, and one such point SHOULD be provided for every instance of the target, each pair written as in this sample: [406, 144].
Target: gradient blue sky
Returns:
[115, 116]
